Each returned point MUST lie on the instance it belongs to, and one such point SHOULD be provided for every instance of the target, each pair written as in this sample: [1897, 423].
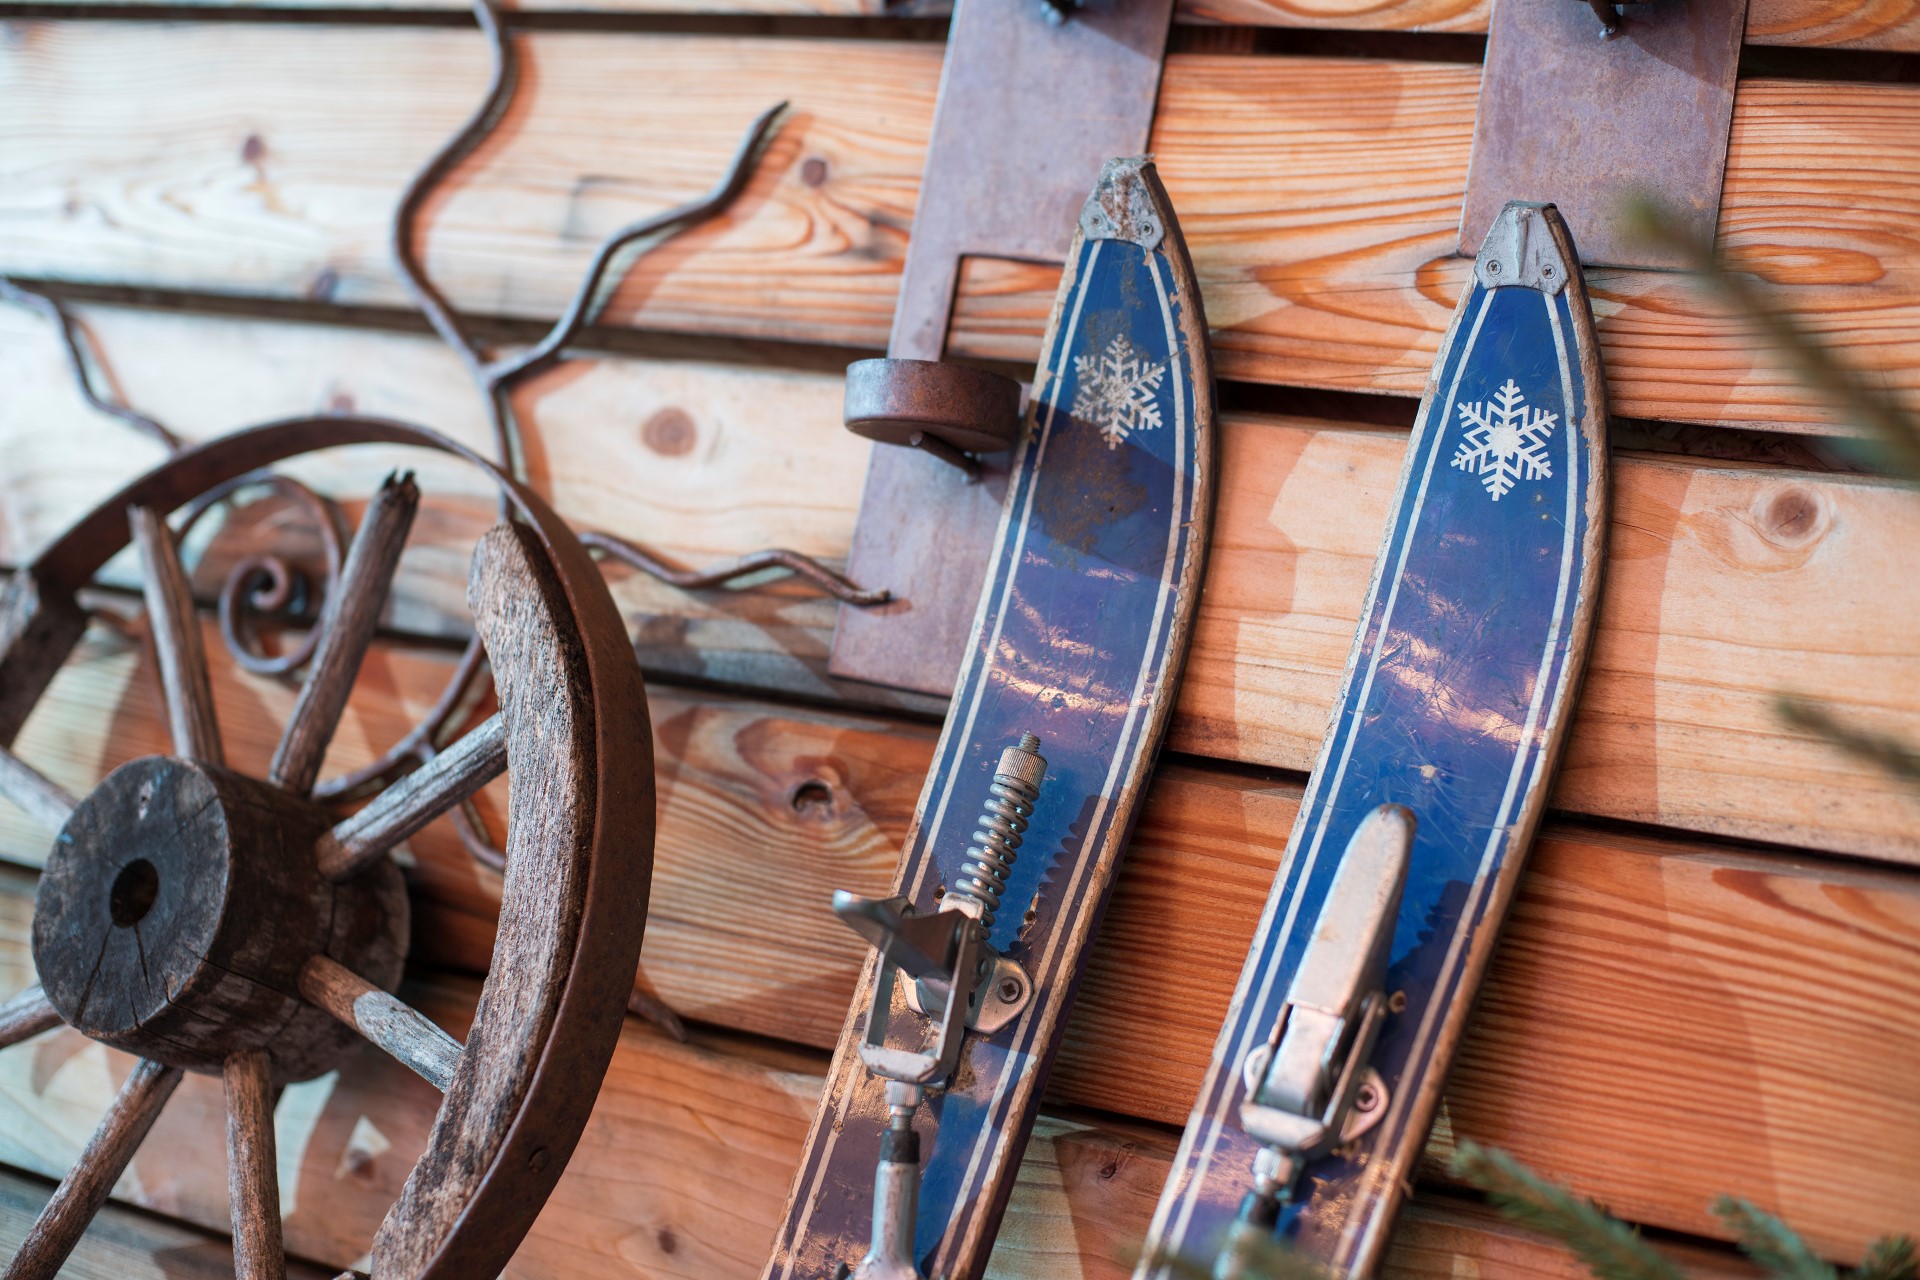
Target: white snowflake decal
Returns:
[1116, 391]
[1506, 440]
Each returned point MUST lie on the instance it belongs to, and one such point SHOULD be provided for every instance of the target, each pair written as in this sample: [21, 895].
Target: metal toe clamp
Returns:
[959, 981]
[1309, 1087]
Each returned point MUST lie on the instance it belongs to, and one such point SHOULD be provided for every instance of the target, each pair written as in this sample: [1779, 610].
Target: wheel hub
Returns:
[178, 906]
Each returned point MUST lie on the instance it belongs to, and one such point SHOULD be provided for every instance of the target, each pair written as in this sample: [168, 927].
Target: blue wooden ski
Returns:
[1062, 701]
[1430, 782]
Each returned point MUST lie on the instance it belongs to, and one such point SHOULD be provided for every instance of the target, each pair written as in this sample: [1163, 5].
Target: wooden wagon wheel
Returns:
[211, 922]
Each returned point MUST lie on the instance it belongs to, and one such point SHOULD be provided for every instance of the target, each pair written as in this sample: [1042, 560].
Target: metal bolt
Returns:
[1367, 1099]
[1493, 268]
[1009, 990]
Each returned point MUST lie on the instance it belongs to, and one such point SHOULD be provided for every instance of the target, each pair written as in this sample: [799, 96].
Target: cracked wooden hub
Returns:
[179, 905]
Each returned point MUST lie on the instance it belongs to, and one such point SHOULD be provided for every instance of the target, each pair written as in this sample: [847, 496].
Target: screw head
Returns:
[1493, 268]
[1010, 990]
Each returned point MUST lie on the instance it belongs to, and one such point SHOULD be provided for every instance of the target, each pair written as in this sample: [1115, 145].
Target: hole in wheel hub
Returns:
[180, 903]
[133, 892]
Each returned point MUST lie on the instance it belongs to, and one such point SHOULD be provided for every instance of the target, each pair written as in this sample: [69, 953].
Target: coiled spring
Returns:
[1002, 825]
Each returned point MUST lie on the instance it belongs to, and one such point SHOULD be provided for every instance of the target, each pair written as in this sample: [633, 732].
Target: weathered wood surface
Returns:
[173, 626]
[346, 623]
[387, 1021]
[1726, 587]
[1858, 24]
[1321, 196]
[253, 1174]
[126, 1245]
[1797, 984]
[682, 1172]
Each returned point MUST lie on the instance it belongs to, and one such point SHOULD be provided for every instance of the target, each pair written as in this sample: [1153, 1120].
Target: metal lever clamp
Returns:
[1309, 1087]
[959, 980]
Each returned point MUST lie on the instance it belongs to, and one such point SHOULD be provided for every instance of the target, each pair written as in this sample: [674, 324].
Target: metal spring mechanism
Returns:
[1003, 823]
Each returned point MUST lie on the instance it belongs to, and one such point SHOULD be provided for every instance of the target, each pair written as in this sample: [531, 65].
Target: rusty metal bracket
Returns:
[1588, 117]
[1028, 108]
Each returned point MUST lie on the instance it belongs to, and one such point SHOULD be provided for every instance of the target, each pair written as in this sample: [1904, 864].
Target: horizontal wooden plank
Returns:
[682, 1171]
[1727, 586]
[1767, 1000]
[1857, 24]
[126, 1245]
[1321, 196]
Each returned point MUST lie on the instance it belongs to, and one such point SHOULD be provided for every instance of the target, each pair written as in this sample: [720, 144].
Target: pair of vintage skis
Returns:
[1408, 843]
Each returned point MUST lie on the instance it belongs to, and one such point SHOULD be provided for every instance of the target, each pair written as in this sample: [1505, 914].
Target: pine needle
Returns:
[1889, 1258]
[1771, 1242]
[1891, 755]
[1610, 1249]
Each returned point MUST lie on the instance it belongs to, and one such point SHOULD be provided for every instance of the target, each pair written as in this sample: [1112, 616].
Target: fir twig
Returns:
[1890, 754]
[1890, 425]
[1889, 1258]
[1611, 1249]
[1771, 1242]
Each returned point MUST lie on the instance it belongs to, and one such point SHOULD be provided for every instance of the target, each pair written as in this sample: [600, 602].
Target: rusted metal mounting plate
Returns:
[1027, 112]
[1587, 123]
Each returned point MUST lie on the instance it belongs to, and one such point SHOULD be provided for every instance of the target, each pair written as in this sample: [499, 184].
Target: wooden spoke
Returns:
[176, 639]
[40, 797]
[415, 800]
[346, 628]
[26, 1016]
[81, 1193]
[403, 1031]
[253, 1183]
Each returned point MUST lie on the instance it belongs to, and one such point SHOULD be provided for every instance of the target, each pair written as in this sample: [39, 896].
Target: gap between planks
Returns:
[681, 1172]
[1797, 982]
[1321, 197]
[1727, 585]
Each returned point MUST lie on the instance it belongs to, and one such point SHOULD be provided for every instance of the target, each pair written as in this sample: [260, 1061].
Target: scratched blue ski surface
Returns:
[1458, 677]
[1078, 641]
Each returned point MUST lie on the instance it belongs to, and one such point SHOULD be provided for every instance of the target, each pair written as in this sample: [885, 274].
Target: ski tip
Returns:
[1528, 245]
[1127, 204]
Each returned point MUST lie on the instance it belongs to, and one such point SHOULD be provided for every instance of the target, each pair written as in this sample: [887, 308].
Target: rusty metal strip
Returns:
[1589, 122]
[1028, 110]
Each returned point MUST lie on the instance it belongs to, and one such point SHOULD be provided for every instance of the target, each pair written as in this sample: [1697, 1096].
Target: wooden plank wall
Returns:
[1711, 982]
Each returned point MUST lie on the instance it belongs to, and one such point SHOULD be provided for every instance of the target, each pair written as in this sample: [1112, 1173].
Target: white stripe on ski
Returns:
[1228, 1066]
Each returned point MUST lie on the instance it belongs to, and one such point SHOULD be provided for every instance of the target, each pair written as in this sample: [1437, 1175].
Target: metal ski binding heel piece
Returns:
[959, 981]
[1310, 1087]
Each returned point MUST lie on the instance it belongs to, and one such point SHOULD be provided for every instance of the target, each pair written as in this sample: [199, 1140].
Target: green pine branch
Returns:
[1770, 1242]
[1891, 755]
[1891, 1258]
[1611, 1249]
[1893, 443]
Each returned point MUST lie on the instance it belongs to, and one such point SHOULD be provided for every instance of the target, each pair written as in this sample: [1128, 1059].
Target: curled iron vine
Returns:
[266, 582]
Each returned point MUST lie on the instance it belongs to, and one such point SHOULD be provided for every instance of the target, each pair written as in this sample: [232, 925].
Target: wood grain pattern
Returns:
[25, 1015]
[346, 627]
[180, 655]
[86, 1186]
[681, 1173]
[33, 793]
[475, 759]
[385, 1020]
[253, 1180]
[1321, 197]
[1760, 958]
[126, 1245]
[1856, 24]
[1727, 585]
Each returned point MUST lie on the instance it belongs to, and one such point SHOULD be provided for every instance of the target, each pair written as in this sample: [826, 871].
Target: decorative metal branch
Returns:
[266, 582]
